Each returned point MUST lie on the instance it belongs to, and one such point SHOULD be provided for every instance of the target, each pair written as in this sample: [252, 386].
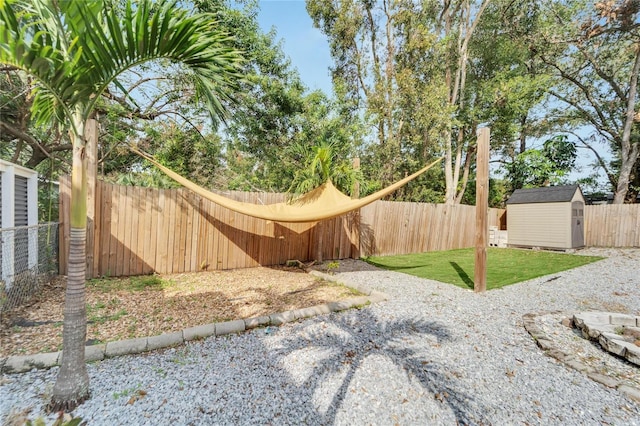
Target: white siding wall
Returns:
[539, 225]
[25, 206]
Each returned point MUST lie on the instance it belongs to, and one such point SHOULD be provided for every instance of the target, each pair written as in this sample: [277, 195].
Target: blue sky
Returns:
[306, 46]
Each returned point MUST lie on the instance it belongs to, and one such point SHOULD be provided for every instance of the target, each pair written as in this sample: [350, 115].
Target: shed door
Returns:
[577, 224]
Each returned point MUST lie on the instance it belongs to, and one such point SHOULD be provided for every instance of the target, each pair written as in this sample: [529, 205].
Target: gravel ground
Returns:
[432, 354]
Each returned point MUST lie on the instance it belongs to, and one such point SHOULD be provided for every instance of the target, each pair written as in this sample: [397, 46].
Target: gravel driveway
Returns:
[432, 354]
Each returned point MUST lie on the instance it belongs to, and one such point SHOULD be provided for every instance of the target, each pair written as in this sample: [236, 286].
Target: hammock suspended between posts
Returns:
[324, 202]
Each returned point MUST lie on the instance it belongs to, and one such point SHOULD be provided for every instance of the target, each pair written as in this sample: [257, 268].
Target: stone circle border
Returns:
[545, 343]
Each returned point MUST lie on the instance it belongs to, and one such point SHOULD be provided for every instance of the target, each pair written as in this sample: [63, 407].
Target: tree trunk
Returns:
[465, 174]
[628, 162]
[450, 185]
[72, 383]
[455, 79]
[628, 150]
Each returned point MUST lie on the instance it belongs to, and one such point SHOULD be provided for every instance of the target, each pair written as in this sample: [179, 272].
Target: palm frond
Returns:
[76, 49]
[146, 33]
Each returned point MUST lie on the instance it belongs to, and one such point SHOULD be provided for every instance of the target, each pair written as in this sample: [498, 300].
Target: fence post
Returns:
[482, 205]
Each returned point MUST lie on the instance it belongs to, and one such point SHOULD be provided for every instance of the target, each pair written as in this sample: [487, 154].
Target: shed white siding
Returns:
[539, 225]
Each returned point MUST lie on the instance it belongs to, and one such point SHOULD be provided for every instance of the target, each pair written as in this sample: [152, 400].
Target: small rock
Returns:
[567, 322]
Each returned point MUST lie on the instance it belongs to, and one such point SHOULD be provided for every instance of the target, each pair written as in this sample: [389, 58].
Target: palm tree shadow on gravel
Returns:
[361, 335]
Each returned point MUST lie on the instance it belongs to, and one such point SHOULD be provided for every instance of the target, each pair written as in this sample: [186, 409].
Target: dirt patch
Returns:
[133, 307]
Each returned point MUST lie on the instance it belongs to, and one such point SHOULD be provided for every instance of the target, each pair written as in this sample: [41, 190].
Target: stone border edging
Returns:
[23, 363]
[546, 344]
[608, 330]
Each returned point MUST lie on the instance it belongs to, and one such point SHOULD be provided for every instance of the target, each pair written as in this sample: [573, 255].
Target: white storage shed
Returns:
[550, 217]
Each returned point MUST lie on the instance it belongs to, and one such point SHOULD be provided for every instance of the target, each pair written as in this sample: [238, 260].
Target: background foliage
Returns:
[550, 78]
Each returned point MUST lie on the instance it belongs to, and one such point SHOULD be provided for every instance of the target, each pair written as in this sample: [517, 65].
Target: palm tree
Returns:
[75, 51]
[321, 162]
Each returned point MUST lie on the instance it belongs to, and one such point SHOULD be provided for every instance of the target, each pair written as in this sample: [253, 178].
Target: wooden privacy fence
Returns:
[144, 230]
[612, 225]
[389, 227]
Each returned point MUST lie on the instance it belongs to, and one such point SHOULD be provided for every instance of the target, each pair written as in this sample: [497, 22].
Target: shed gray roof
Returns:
[548, 194]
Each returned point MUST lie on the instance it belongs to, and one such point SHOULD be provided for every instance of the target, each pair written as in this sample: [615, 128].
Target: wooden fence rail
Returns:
[143, 230]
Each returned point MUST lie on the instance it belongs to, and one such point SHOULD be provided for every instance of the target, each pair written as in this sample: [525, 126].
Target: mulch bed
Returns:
[134, 307]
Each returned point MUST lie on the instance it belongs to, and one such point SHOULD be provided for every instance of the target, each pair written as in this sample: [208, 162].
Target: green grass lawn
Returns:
[504, 266]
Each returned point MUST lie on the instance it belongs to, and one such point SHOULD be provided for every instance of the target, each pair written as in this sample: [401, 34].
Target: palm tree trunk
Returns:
[72, 383]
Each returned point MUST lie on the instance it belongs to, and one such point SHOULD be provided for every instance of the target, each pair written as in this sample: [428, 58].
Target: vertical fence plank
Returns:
[126, 230]
[120, 226]
[255, 232]
[181, 225]
[230, 239]
[159, 249]
[192, 263]
[441, 227]
[628, 231]
[130, 243]
[183, 215]
[105, 240]
[589, 219]
[215, 237]
[120, 230]
[613, 223]
[211, 236]
[197, 234]
[354, 234]
[113, 233]
[423, 227]
[226, 217]
[239, 241]
[189, 236]
[145, 230]
[343, 229]
[137, 224]
[203, 236]
[97, 229]
[172, 229]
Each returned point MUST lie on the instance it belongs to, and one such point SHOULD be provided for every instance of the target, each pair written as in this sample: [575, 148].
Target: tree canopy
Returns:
[411, 81]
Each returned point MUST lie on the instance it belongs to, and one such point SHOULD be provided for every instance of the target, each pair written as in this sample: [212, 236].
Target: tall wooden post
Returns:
[482, 207]
[91, 151]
